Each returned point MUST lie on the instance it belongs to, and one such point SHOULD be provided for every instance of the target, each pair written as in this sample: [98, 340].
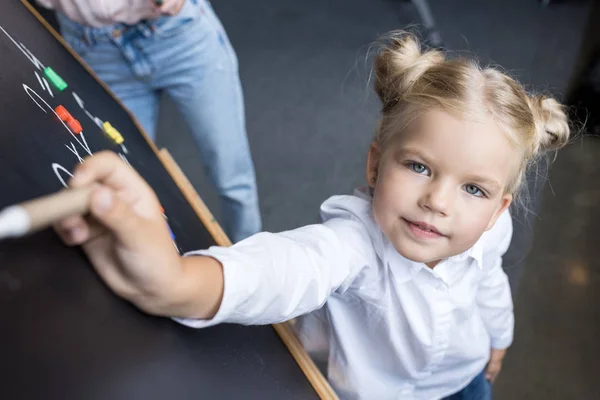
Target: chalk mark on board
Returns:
[48, 87]
[39, 79]
[43, 83]
[16, 44]
[37, 63]
[73, 150]
[38, 96]
[79, 101]
[125, 159]
[33, 59]
[57, 167]
[96, 120]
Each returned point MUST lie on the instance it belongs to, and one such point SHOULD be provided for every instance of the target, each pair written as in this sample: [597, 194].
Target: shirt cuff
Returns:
[501, 343]
[232, 282]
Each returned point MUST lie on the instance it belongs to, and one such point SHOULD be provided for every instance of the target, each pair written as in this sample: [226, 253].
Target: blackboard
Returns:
[63, 334]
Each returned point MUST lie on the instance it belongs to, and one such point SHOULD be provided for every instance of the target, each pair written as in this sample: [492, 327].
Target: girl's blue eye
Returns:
[474, 190]
[418, 167]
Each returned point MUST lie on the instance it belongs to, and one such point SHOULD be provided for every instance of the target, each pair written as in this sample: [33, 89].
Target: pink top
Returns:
[99, 13]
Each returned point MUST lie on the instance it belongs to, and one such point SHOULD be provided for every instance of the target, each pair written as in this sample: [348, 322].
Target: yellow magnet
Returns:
[112, 132]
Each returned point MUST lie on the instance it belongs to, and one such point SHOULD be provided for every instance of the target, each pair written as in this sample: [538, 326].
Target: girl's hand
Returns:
[125, 236]
[169, 7]
[495, 364]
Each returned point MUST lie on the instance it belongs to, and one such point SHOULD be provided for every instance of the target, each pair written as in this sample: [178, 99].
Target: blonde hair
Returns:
[408, 79]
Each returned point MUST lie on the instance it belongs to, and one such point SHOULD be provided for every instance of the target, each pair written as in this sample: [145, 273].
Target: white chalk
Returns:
[14, 222]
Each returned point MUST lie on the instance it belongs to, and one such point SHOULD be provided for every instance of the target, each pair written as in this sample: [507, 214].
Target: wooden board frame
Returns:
[308, 367]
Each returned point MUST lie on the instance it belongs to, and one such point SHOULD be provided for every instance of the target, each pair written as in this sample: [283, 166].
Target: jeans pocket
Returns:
[173, 25]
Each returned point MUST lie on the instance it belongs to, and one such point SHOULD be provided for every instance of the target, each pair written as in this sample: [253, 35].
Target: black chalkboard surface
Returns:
[63, 334]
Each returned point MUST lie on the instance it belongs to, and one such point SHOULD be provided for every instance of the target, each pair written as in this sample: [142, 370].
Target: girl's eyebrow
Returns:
[409, 151]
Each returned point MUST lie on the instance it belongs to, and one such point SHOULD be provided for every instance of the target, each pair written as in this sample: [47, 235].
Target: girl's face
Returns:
[440, 185]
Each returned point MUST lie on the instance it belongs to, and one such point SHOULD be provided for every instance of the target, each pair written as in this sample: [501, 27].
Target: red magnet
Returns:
[74, 125]
[63, 114]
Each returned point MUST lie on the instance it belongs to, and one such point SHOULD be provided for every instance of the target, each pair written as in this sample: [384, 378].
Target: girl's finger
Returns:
[72, 230]
[171, 7]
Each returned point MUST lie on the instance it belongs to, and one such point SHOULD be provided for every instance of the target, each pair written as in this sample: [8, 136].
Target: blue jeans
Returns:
[478, 389]
[189, 57]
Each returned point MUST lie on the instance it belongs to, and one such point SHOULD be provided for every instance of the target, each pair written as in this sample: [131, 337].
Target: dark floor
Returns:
[311, 114]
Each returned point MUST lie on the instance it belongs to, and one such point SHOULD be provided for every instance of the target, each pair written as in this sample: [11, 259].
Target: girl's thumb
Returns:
[115, 214]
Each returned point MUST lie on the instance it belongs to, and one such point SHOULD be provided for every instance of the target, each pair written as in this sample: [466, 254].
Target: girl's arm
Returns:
[266, 278]
[269, 278]
[128, 243]
[493, 297]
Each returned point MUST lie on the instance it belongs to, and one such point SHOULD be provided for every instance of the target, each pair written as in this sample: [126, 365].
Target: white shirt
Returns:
[396, 328]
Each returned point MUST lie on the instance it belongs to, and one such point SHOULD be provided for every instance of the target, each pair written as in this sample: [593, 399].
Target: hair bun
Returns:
[399, 64]
[552, 127]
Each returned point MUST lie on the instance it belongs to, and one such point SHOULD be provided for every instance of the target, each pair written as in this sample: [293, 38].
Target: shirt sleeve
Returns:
[270, 278]
[494, 298]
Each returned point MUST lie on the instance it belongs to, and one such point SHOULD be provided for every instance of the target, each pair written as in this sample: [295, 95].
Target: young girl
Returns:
[406, 273]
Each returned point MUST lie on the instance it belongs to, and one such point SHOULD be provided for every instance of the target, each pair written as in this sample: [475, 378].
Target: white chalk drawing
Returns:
[125, 159]
[56, 167]
[43, 83]
[96, 120]
[48, 87]
[39, 79]
[73, 150]
[36, 63]
[79, 101]
[44, 106]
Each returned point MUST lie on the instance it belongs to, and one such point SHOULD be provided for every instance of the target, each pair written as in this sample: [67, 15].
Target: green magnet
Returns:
[55, 79]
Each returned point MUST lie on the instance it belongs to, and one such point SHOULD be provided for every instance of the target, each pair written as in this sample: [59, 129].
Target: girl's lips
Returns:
[422, 230]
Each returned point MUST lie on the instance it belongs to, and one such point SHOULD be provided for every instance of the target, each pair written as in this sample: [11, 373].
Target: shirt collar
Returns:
[475, 252]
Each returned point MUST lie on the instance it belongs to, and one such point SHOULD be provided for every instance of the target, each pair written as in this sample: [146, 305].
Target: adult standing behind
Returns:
[143, 47]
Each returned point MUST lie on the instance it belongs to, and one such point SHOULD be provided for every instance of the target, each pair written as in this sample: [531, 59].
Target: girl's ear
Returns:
[373, 159]
[504, 204]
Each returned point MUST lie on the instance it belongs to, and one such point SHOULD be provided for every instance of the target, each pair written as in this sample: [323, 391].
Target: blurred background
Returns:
[311, 114]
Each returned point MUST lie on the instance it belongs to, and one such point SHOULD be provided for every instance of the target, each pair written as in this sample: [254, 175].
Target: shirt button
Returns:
[117, 33]
[441, 288]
